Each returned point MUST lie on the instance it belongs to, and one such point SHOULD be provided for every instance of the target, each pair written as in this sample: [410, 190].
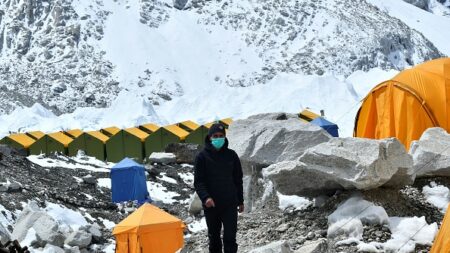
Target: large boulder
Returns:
[26, 220]
[47, 230]
[274, 247]
[431, 153]
[265, 139]
[184, 152]
[343, 163]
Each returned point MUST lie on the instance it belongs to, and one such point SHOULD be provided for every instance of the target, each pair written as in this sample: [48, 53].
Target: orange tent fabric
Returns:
[149, 230]
[442, 240]
[405, 106]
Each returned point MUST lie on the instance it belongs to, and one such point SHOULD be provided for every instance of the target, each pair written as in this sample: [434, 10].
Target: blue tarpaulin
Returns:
[330, 127]
[128, 182]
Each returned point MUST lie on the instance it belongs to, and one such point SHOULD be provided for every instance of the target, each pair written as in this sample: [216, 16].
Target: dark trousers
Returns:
[215, 218]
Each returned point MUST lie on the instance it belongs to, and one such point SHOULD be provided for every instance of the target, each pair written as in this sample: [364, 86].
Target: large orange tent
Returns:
[441, 242]
[405, 106]
[149, 230]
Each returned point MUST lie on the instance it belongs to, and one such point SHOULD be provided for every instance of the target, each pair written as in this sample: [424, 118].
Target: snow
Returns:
[429, 24]
[111, 248]
[197, 225]
[167, 179]
[104, 182]
[407, 232]
[160, 193]
[358, 208]
[349, 217]
[65, 216]
[30, 237]
[188, 178]
[297, 202]
[107, 223]
[77, 162]
[6, 217]
[437, 195]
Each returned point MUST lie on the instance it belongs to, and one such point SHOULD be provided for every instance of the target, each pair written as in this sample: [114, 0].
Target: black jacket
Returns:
[218, 175]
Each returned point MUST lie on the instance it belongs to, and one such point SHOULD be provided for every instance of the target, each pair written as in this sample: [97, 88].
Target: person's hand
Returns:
[210, 203]
[241, 208]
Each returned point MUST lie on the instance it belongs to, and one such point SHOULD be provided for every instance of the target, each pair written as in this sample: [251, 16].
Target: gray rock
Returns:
[184, 152]
[163, 158]
[342, 163]
[282, 228]
[79, 238]
[94, 230]
[195, 204]
[89, 179]
[179, 4]
[262, 140]
[274, 247]
[431, 153]
[26, 220]
[318, 246]
[422, 4]
[3, 187]
[47, 230]
[310, 236]
[14, 186]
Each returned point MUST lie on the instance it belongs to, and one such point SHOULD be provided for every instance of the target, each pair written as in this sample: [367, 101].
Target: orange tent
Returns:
[149, 230]
[405, 106]
[441, 242]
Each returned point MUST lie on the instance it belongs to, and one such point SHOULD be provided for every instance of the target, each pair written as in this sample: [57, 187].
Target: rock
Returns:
[3, 187]
[262, 140]
[310, 236]
[431, 153]
[317, 246]
[282, 228]
[26, 220]
[79, 238]
[14, 186]
[184, 152]
[89, 179]
[163, 158]
[53, 249]
[342, 163]
[179, 4]
[195, 204]
[4, 234]
[274, 247]
[94, 230]
[422, 4]
[47, 230]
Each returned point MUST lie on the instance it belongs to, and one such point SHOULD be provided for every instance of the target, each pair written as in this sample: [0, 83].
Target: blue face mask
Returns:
[218, 142]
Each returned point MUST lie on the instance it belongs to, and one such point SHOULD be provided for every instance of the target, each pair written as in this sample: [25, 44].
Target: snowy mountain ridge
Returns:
[201, 60]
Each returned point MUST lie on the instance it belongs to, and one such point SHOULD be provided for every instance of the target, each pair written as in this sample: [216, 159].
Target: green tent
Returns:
[149, 128]
[157, 141]
[115, 147]
[197, 136]
[188, 125]
[92, 143]
[19, 141]
[133, 139]
[54, 142]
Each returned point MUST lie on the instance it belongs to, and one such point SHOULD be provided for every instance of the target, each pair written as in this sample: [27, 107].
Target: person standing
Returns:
[218, 183]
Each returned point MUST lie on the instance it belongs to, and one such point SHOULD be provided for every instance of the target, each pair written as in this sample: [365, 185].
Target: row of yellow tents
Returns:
[112, 143]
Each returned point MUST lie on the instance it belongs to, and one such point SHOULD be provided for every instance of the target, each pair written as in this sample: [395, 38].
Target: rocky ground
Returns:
[77, 188]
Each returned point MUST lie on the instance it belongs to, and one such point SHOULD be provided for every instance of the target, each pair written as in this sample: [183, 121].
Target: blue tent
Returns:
[330, 127]
[128, 182]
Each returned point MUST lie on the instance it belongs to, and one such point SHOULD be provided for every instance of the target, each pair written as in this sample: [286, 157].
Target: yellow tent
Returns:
[149, 230]
[441, 242]
[405, 106]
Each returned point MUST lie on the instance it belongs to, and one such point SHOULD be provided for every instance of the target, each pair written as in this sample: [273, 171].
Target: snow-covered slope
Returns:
[151, 61]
